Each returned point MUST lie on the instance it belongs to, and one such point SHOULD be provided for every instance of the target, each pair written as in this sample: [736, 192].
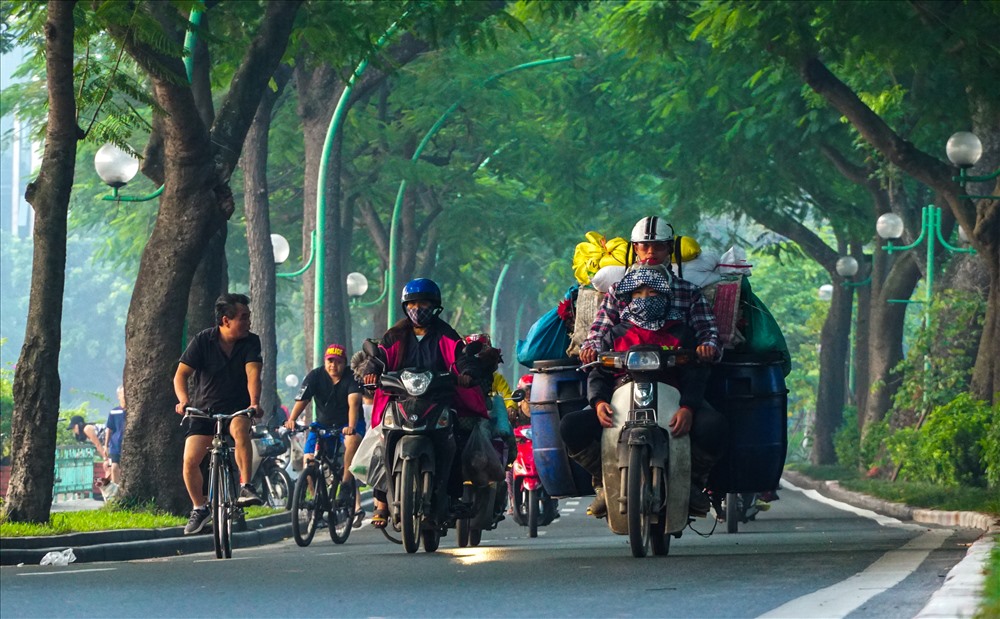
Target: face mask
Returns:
[420, 316]
[648, 313]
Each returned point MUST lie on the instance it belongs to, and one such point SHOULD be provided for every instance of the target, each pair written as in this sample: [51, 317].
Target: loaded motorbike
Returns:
[532, 505]
[418, 430]
[646, 470]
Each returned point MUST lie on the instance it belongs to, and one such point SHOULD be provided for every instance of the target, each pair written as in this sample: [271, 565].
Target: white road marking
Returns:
[889, 570]
[231, 559]
[841, 599]
[93, 569]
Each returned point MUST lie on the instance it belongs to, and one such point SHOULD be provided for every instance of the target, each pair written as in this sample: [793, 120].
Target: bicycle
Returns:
[318, 491]
[222, 480]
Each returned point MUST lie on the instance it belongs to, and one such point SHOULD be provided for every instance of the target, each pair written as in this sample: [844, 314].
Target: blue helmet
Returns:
[421, 289]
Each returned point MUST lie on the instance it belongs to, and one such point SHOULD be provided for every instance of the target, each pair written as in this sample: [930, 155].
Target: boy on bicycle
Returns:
[223, 363]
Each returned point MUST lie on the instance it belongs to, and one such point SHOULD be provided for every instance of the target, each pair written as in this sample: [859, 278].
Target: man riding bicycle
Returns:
[223, 364]
[338, 405]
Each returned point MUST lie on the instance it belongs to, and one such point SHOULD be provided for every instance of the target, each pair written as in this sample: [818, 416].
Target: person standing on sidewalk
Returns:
[338, 405]
[224, 364]
[113, 443]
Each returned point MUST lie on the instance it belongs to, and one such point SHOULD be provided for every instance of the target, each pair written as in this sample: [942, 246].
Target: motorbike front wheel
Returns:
[638, 504]
[410, 490]
[278, 488]
[533, 516]
[462, 532]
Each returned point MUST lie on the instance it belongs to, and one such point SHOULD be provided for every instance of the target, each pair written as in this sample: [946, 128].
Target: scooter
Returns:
[646, 470]
[418, 434]
[533, 507]
[488, 504]
[269, 477]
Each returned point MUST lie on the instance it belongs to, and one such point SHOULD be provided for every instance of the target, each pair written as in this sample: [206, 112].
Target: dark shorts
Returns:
[115, 458]
[202, 427]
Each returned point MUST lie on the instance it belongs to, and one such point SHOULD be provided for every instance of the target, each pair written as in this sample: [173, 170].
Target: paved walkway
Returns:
[76, 505]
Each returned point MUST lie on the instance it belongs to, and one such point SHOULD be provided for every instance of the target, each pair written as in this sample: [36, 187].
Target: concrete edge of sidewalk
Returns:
[961, 593]
[131, 544]
[832, 489]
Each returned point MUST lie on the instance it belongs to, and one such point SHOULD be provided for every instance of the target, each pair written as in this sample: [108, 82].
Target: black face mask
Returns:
[421, 316]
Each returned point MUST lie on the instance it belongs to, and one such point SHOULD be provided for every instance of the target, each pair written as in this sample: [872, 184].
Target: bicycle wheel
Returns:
[638, 501]
[342, 512]
[278, 489]
[228, 504]
[409, 505]
[304, 517]
[216, 489]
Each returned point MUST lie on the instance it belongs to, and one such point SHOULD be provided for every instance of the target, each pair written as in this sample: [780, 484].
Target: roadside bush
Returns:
[952, 447]
[847, 439]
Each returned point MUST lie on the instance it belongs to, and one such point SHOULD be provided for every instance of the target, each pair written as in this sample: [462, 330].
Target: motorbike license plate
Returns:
[644, 416]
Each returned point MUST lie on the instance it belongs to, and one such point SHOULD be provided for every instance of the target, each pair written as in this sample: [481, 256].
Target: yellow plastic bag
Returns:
[690, 249]
[595, 253]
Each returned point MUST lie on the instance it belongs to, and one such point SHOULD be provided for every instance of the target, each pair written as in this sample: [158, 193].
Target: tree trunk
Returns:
[885, 343]
[830, 396]
[195, 204]
[36, 377]
[262, 269]
[211, 279]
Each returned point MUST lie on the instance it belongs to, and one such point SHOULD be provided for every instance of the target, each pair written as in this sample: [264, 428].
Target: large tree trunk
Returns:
[262, 278]
[195, 204]
[36, 378]
[211, 279]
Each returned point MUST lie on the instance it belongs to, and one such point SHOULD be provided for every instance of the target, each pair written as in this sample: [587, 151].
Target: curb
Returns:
[131, 544]
[832, 489]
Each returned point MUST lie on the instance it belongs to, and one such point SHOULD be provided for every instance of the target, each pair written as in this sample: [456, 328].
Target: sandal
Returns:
[380, 518]
[359, 518]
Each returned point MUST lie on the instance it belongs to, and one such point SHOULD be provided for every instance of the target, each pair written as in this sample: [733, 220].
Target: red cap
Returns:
[525, 381]
[335, 350]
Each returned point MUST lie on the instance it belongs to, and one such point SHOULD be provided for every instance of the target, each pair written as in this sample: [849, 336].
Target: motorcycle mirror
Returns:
[518, 395]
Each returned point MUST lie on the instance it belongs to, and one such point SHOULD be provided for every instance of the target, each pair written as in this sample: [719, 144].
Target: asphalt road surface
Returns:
[800, 559]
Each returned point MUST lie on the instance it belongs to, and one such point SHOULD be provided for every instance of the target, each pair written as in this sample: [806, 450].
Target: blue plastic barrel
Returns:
[749, 389]
[557, 389]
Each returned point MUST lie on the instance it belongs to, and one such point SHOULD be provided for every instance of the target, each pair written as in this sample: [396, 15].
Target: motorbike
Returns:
[532, 505]
[269, 477]
[646, 470]
[487, 503]
[418, 429]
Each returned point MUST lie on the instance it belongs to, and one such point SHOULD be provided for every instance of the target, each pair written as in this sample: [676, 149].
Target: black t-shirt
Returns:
[220, 382]
[331, 399]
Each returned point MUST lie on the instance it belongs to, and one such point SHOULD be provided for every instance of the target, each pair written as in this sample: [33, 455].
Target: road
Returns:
[800, 559]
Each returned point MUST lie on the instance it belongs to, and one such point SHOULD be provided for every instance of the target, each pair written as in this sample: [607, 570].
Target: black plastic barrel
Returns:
[557, 389]
[750, 391]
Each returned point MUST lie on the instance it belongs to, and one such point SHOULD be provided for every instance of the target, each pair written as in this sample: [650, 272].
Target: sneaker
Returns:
[248, 496]
[698, 504]
[199, 518]
[768, 496]
[599, 507]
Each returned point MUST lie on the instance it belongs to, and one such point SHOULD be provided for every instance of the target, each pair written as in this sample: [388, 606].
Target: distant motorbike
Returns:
[532, 505]
[269, 477]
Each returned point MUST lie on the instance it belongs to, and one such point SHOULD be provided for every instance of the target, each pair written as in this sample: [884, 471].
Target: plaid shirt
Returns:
[688, 305]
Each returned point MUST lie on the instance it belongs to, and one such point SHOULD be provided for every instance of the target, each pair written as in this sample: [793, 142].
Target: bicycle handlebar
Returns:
[190, 411]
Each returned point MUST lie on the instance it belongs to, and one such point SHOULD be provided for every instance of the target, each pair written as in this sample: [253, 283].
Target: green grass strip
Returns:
[107, 518]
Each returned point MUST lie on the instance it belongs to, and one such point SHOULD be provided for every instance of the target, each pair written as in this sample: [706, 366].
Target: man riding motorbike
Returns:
[424, 340]
[650, 305]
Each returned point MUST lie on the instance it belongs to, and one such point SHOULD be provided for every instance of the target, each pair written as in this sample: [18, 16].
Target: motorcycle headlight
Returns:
[643, 361]
[389, 419]
[642, 394]
[416, 383]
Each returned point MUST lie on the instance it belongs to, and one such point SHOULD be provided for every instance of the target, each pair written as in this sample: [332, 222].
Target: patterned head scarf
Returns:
[654, 276]
[649, 312]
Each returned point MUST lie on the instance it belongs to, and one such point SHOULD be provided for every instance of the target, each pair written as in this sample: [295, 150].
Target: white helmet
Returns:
[652, 230]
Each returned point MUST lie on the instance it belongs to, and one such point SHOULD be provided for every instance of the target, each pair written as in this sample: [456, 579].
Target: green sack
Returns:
[761, 330]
